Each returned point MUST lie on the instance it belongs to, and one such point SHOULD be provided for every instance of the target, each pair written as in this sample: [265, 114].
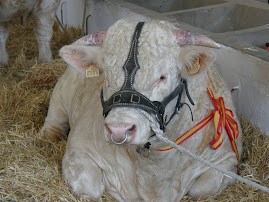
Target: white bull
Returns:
[43, 13]
[92, 164]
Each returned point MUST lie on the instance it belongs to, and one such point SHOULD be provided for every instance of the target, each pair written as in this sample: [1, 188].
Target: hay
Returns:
[21, 40]
[30, 167]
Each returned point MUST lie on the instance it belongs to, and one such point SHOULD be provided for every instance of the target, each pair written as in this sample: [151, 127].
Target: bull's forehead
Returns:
[156, 46]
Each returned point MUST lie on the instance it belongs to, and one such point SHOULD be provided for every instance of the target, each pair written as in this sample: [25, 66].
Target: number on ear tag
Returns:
[92, 71]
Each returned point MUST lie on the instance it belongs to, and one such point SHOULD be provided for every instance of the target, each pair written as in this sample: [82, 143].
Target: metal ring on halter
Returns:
[125, 138]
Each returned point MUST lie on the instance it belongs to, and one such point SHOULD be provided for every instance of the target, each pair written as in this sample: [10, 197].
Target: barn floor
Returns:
[30, 166]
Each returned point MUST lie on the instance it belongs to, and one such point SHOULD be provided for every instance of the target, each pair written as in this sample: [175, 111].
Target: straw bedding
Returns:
[30, 166]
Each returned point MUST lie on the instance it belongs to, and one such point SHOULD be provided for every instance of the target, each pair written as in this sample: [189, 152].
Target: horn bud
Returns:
[189, 38]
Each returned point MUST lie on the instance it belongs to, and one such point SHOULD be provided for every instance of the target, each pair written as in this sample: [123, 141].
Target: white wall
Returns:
[252, 76]
[102, 14]
[72, 12]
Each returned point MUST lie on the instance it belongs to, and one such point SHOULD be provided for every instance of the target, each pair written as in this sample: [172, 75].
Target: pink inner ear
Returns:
[75, 58]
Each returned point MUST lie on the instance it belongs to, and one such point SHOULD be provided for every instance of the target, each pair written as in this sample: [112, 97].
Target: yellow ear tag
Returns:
[196, 67]
[92, 71]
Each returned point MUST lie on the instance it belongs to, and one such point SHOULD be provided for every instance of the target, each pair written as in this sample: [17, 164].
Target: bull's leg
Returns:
[213, 181]
[4, 30]
[82, 174]
[43, 28]
[56, 124]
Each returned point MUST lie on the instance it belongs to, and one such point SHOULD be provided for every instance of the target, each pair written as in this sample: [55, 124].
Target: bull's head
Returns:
[165, 55]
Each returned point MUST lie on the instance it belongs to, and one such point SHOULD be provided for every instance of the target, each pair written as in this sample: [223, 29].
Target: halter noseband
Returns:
[127, 96]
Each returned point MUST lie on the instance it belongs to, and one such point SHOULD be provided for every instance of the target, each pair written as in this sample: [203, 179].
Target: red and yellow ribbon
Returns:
[188, 134]
[223, 118]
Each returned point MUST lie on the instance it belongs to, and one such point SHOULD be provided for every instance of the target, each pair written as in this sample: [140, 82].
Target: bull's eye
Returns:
[162, 78]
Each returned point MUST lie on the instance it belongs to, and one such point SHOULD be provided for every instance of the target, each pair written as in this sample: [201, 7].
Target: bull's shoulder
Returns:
[220, 87]
[73, 85]
[70, 80]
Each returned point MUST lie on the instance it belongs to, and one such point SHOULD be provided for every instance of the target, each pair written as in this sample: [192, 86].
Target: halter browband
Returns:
[127, 96]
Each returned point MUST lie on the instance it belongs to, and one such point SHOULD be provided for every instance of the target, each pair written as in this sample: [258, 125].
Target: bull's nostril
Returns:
[107, 128]
[133, 128]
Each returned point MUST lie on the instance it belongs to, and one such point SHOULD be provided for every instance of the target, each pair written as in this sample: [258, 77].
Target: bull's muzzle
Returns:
[121, 133]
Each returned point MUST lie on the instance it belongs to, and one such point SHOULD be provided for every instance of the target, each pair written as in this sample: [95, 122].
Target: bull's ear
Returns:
[81, 57]
[195, 60]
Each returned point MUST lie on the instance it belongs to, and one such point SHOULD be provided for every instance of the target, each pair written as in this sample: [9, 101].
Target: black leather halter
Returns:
[127, 96]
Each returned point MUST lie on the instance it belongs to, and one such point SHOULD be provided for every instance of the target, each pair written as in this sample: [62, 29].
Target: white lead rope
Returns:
[159, 134]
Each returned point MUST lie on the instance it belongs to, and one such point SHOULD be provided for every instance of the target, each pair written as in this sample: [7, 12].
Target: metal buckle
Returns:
[144, 151]
[116, 98]
[133, 96]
